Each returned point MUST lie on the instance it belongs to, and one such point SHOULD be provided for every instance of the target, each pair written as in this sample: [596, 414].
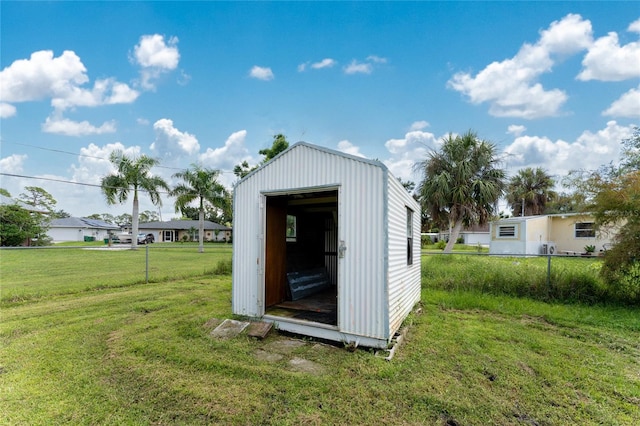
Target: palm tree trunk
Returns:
[453, 236]
[201, 231]
[134, 221]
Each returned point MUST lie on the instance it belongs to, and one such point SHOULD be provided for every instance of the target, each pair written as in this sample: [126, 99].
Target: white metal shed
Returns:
[327, 245]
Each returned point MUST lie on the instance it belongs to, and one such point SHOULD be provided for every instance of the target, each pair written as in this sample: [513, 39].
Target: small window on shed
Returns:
[409, 236]
[585, 230]
[507, 231]
[292, 232]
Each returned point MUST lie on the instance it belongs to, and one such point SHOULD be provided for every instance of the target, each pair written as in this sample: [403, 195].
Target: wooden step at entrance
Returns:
[259, 329]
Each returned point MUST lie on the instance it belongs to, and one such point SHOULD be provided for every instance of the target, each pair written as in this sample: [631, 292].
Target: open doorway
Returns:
[301, 256]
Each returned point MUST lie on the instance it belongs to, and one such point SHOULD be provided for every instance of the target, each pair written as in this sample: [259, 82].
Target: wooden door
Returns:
[275, 279]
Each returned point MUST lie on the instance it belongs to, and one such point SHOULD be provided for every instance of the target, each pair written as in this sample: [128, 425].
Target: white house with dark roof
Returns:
[180, 230]
[80, 229]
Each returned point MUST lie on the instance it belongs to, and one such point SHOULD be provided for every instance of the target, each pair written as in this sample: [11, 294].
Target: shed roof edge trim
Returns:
[326, 150]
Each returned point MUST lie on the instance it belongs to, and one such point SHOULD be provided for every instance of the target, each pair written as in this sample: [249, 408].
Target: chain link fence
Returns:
[30, 272]
[543, 277]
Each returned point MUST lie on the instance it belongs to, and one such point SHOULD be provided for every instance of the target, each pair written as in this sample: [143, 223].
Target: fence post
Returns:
[548, 273]
[146, 269]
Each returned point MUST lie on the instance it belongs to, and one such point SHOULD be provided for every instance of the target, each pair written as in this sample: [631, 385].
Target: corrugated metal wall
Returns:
[404, 279]
[363, 307]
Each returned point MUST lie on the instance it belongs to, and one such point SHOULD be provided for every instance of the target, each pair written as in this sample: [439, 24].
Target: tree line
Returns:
[463, 181]
[198, 196]
[461, 184]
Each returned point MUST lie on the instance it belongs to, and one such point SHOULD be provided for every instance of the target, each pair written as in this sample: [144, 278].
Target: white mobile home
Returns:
[567, 233]
[327, 245]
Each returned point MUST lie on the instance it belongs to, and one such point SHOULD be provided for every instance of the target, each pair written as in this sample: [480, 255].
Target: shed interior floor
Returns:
[320, 307]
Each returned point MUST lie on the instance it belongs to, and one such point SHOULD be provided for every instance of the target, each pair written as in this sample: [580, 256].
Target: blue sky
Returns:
[553, 84]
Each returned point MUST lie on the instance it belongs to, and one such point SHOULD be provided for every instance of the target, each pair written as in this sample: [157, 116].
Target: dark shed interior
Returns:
[302, 256]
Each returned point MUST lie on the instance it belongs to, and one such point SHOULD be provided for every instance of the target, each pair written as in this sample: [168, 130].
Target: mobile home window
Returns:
[292, 232]
[585, 230]
[507, 231]
[409, 236]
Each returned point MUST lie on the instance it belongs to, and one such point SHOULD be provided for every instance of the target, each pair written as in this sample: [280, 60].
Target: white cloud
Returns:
[227, 156]
[153, 52]
[104, 92]
[516, 130]
[183, 78]
[92, 165]
[171, 142]
[13, 163]
[415, 146]
[7, 110]
[142, 121]
[42, 76]
[376, 59]
[419, 125]
[349, 148]
[628, 105]
[93, 161]
[155, 57]
[356, 67]
[511, 86]
[606, 60]
[559, 157]
[634, 27]
[261, 73]
[325, 63]
[64, 126]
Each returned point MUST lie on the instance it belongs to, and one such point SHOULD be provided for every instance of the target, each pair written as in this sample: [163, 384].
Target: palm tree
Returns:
[201, 185]
[529, 191]
[462, 183]
[133, 175]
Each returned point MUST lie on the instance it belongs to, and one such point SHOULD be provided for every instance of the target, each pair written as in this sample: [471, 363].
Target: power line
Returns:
[88, 156]
[70, 182]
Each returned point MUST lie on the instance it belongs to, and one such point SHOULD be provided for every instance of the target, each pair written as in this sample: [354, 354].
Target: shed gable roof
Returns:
[314, 148]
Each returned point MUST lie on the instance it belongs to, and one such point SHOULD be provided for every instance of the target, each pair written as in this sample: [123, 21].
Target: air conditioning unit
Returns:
[548, 247]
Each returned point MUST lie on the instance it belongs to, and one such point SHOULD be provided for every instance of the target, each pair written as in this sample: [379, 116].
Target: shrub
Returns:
[425, 240]
[626, 284]
[460, 240]
[621, 263]
[440, 245]
[17, 225]
[223, 267]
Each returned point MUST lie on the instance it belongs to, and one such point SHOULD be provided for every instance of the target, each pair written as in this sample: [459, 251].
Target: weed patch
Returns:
[567, 280]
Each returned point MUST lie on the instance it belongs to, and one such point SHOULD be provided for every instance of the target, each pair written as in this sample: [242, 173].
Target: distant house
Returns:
[471, 235]
[80, 229]
[180, 230]
[548, 234]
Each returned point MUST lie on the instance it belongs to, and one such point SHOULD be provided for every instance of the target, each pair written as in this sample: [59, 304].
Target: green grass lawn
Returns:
[142, 354]
[35, 273]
